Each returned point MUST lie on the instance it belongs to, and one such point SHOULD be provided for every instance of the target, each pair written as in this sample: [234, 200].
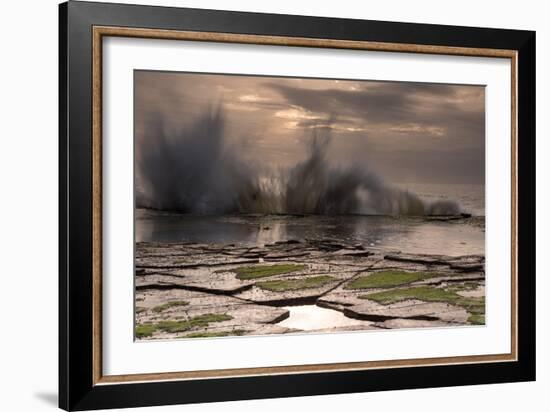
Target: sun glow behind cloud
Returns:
[434, 132]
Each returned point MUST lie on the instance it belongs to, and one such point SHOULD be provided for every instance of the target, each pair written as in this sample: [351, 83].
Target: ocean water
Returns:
[471, 198]
[407, 234]
[414, 235]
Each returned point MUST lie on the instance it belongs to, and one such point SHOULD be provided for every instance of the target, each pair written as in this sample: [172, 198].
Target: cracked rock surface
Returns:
[194, 290]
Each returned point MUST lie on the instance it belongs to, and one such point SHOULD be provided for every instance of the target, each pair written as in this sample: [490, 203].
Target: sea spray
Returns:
[193, 170]
[190, 170]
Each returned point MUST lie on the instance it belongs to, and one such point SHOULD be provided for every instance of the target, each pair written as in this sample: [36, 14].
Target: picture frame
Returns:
[83, 27]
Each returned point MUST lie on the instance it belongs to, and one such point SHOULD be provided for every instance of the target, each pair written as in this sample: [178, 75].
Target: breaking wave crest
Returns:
[194, 171]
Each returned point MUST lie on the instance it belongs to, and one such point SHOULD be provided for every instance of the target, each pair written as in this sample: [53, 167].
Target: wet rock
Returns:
[467, 267]
[450, 277]
[353, 252]
[356, 304]
[340, 298]
[355, 328]
[384, 264]
[410, 309]
[477, 292]
[292, 297]
[461, 263]
[448, 218]
[283, 256]
[406, 257]
[288, 242]
[188, 262]
[466, 259]
[410, 324]
[255, 256]
[326, 244]
[207, 277]
[239, 318]
[214, 286]
[273, 330]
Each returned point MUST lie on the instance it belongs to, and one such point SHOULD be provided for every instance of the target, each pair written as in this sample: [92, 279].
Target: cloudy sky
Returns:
[406, 132]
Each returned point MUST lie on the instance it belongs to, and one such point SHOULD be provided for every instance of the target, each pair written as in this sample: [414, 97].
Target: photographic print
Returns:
[271, 186]
[280, 205]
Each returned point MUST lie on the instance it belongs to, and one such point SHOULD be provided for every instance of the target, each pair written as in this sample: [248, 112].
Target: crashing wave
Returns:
[194, 171]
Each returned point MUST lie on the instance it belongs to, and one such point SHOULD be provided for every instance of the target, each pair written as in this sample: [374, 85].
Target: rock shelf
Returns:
[194, 290]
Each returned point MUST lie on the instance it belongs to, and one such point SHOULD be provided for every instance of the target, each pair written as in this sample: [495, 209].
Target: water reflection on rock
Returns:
[406, 234]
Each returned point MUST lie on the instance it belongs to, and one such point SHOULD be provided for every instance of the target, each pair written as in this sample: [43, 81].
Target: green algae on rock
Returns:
[388, 279]
[295, 284]
[475, 319]
[424, 293]
[236, 332]
[168, 305]
[175, 326]
[145, 330]
[474, 306]
[256, 272]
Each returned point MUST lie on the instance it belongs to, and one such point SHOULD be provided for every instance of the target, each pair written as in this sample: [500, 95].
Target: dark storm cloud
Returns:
[390, 103]
[406, 131]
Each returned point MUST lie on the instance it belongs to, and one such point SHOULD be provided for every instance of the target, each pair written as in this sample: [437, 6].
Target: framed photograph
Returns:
[257, 205]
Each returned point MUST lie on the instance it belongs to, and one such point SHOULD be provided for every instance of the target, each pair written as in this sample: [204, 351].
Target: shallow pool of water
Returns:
[311, 317]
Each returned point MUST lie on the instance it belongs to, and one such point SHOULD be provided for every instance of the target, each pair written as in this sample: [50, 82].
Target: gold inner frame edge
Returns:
[101, 31]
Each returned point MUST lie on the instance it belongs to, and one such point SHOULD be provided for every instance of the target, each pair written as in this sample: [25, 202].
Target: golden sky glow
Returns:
[407, 132]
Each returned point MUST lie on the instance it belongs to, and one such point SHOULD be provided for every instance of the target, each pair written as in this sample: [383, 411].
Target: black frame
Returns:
[76, 388]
